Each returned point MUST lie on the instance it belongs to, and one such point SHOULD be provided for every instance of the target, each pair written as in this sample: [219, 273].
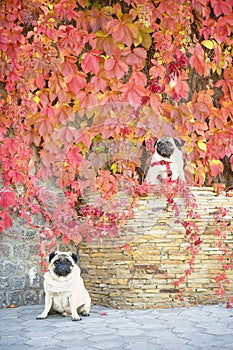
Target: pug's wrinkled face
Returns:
[164, 148]
[62, 263]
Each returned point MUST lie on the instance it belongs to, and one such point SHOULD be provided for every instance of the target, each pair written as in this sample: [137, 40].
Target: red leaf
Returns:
[76, 82]
[44, 173]
[155, 101]
[216, 167]
[99, 83]
[66, 135]
[7, 198]
[50, 112]
[84, 228]
[9, 146]
[86, 99]
[135, 57]
[116, 67]
[82, 3]
[40, 82]
[75, 157]
[69, 66]
[16, 176]
[45, 127]
[197, 61]
[103, 314]
[221, 7]
[181, 89]
[91, 61]
[4, 40]
[65, 239]
[133, 92]
[5, 221]
[106, 183]
[44, 100]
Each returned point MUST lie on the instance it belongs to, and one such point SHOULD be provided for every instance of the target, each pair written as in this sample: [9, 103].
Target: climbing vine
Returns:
[87, 86]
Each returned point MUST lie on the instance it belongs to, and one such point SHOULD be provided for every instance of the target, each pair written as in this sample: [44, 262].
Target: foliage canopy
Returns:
[76, 75]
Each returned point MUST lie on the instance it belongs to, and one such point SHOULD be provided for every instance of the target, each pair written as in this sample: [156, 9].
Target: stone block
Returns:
[3, 302]
[21, 251]
[17, 282]
[4, 282]
[9, 268]
[14, 298]
[5, 250]
[31, 297]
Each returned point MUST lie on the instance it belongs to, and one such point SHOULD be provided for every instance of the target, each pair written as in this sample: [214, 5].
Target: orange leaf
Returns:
[216, 167]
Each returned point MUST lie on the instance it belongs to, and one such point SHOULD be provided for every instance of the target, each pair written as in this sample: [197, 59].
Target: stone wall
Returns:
[141, 273]
[21, 279]
[135, 270]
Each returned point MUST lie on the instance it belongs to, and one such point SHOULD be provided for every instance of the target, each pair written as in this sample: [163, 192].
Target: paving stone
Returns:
[49, 348]
[217, 331]
[181, 347]
[86, 347]
[198, 328]
[167, 337]
[100, 330]
[16, 347]
[130, 332]
[12, 339]
[141, 346]
[43, 342]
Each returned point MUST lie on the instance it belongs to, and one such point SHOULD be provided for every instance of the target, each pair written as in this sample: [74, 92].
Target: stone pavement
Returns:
[189, 328]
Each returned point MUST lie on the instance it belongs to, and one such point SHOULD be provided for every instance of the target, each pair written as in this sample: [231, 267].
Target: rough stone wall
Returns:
[141, 274]
[21, 279]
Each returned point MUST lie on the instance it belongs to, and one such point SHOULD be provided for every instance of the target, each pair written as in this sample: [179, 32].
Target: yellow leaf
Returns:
[214, 67]
[138, 41]
[216, 161]
[222, 63]
[209, 44]
[76, 106]
[114, 168]
[101, 34]
[202, 145]
[121, 46]
[36, 99]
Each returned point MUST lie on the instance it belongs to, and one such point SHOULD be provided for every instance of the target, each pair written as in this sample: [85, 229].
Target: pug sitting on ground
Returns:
[64, 288]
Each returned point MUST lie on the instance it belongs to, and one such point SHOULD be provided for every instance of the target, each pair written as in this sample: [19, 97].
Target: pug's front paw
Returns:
[76, 318]
[42, 316]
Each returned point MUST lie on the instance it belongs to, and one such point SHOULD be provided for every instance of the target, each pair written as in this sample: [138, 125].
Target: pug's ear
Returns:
[52, 255]
[75, 258]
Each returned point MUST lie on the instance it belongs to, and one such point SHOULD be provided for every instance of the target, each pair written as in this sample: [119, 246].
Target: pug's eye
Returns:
[68, 262]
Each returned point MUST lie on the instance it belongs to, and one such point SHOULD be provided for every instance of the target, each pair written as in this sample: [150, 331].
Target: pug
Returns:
[166, 164]
[64, 288]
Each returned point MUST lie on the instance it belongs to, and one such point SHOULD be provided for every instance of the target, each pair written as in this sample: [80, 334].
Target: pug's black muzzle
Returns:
[62, 268]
